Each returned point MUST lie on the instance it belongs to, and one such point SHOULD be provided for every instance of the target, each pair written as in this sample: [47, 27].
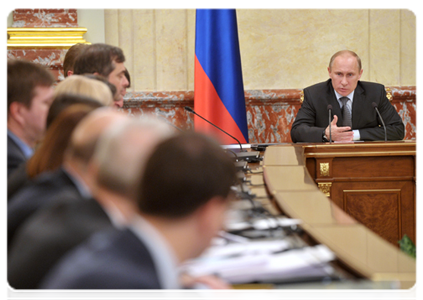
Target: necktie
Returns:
[346, 112]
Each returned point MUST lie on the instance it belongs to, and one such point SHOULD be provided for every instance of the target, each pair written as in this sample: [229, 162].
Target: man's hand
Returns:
[207, 281]
[343, 134]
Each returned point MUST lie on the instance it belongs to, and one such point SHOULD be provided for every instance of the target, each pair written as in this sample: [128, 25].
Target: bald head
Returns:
[122, 151]
[88, 131]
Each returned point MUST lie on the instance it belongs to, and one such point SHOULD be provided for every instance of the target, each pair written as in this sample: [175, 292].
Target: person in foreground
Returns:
[121, 150]
[29, 96]
[182, 199]
[352, 103]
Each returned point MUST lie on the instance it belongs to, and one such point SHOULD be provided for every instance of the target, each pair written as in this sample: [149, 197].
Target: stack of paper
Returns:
[265, 261]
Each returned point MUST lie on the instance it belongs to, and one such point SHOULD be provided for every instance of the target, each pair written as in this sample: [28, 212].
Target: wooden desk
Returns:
[374, 182]
[293, 189]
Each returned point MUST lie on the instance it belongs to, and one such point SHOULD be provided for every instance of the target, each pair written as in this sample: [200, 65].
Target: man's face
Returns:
[36, 115]
[345, 74]
[117, 77]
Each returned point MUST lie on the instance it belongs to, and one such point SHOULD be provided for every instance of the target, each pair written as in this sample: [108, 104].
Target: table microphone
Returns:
[330, 122]
[383, 123]
[187, 108]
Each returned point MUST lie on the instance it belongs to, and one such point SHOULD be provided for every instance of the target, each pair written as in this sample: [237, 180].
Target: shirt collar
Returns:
[27, 151]
[115, 215]
[82, 188]
[163, 255]
[350, 96]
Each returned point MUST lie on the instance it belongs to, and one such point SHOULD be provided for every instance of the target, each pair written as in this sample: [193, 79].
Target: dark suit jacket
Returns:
[110, 260]
[313, 117]
[15, 156]
[48, 235]
[41, 192]
[17, 180]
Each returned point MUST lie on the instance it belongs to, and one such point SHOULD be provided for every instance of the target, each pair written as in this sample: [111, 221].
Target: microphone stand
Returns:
[330, 123]
[187, 108]
[380, 117]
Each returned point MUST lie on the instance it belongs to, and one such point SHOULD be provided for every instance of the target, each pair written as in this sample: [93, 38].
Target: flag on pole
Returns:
[218, 86]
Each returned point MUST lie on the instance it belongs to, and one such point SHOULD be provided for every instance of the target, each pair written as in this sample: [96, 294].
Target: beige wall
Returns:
[280, 49]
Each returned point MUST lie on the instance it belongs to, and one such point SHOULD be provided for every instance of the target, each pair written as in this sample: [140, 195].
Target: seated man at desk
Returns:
[353, 104]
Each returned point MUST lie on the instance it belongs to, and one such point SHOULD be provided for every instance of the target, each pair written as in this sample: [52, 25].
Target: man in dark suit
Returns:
[182, 198]
[70, 219]
[71, 180]
[29, 96]
[361, 121]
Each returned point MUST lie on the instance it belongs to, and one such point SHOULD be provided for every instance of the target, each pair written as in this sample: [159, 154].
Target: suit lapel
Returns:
[358, 105]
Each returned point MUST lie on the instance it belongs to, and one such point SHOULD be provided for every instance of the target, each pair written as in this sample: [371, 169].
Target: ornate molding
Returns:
[45, 37]
[324, 169]
[324, 187]
[388, 93]
[256, 97]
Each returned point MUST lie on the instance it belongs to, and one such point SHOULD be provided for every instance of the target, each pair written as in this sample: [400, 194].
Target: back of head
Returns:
[49, 155]
[103, 79]
[122, 151]
[63, 101]
[22, 79]
[70, 57]
[81, 85]
[98, 58]
[86, 134]
[183, 173]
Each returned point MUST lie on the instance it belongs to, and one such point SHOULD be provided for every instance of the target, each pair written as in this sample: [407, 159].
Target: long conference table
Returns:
[358, 199]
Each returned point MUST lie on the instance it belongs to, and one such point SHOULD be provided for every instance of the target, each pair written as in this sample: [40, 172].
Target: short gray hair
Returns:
[352, 53]
[122, 151]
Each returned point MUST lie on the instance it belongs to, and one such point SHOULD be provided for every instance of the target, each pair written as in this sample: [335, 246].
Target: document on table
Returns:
[267, 261]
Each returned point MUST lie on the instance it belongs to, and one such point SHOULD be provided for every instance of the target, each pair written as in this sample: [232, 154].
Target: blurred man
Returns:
[352, 100]
[29, 96]
[111, 176]
[71, 180]
[107, 61]
[183, 195]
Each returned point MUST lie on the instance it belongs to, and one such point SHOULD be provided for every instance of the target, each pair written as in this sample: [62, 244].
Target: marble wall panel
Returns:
[408, 48]
[280, 48]
[384, 46]
[51, 58]
[158, 46]
[270, 113]
[45, 18]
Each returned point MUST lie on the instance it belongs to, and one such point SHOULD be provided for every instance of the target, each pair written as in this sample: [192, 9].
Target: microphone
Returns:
[187, 108]
[329, 108]
[383, 123]
[169, 123]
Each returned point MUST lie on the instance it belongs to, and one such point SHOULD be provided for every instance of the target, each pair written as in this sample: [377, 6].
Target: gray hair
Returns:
[342, 52]
[123, 150]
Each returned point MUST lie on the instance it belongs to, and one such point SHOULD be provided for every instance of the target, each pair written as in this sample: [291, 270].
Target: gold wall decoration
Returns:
[45, 37]
[301, 96]
[388, 93]
[325, 188]
[324, 169]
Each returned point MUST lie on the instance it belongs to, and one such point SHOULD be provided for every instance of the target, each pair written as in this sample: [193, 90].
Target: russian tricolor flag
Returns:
[218, 86]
